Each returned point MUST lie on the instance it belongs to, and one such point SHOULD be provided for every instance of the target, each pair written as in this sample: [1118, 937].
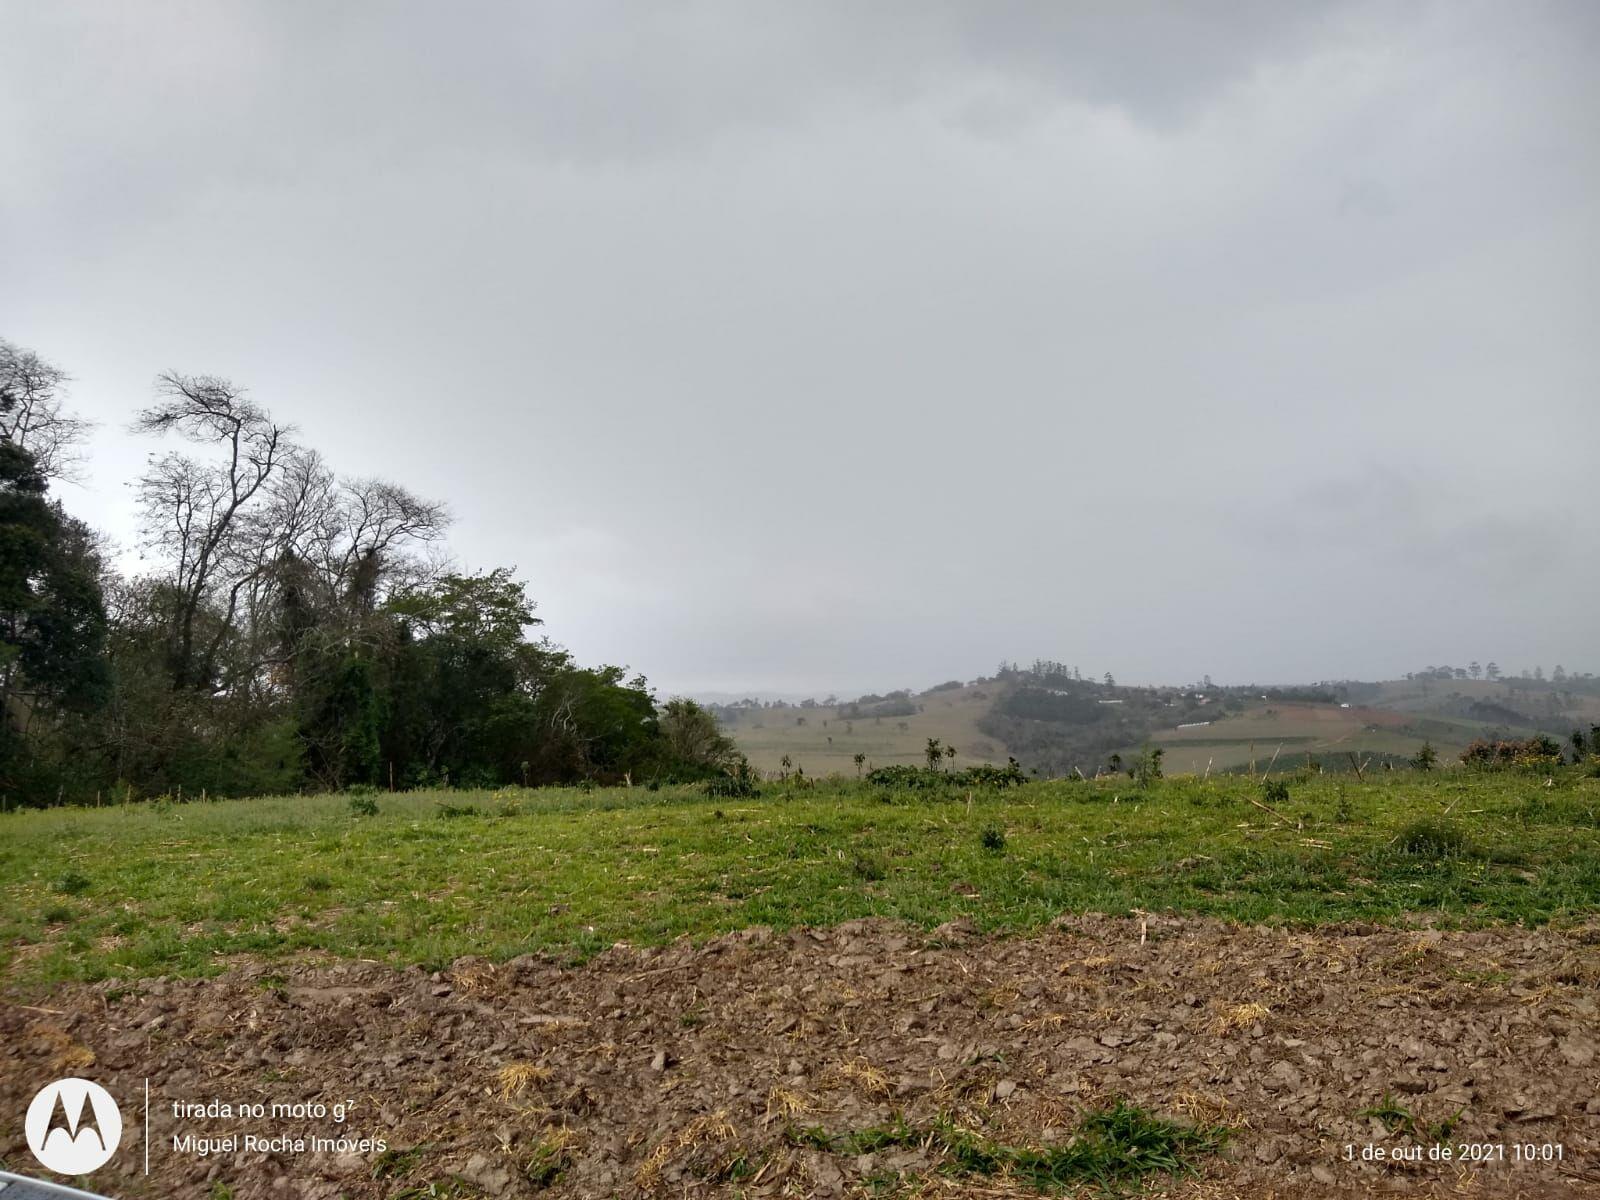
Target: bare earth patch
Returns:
[741, 1066]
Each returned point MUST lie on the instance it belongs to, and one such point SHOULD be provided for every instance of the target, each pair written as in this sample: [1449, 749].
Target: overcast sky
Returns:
[850, 346]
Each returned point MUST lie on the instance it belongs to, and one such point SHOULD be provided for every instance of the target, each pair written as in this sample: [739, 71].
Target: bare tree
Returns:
[197, 512]
[373, 517]
[31, 415]
[265, 546]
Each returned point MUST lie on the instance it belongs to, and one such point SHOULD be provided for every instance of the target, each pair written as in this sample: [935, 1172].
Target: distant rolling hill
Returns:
[1059, 725]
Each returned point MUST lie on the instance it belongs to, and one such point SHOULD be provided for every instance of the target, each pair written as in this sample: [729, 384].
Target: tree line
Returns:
[292, 628]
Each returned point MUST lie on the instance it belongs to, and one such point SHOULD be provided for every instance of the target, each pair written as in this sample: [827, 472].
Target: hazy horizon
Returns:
[819, 348]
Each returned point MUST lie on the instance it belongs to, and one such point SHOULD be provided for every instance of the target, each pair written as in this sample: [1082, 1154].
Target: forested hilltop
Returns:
[295, 628]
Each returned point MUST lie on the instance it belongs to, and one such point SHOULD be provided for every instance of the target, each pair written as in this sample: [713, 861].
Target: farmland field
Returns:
[823, 743]
[833, 989]
[1391, 722]
[1291, 731]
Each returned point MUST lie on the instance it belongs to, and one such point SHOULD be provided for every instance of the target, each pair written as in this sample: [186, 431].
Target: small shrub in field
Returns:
[740, 781]
[994, 840]
[987, 775]
[1148, 767]
[1427, 758]
[868, 868]
[318, 883]
[549, 1161]
[1430, 840]
[72, 883]
[56, 914]
[363, 805]
[1275, 791]
[458, 810]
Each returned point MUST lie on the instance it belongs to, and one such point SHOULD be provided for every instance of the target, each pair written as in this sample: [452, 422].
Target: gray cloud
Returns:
[809, 346]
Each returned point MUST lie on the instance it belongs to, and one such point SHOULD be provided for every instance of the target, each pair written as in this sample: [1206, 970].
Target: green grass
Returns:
[1396, 1118]
[177, 889]
[1110, 1148]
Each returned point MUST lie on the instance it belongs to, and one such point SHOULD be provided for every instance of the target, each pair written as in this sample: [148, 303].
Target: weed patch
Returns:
[363, 805]
[1431, 840]
[1396, 1118]
[1111, 1148]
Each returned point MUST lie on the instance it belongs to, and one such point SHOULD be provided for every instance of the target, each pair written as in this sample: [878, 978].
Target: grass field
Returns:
[96, 893]
[827, 744]
[1301, 729]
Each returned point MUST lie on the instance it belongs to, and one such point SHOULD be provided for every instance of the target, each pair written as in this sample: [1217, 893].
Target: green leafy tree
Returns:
[52, 618]
[693, 740]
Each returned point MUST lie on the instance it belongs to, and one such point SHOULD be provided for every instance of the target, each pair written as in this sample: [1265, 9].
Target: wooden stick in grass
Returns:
[1275, 754]
[1274, 812]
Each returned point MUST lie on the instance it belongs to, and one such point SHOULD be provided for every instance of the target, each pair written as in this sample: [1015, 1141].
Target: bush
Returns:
[902, 775]
[1275, 791]
[1540, 751]
[72, 883]
[1148, 768]
[994, 840]
[988, 775]
[1430, 840]
[363, 805]
[738, 781]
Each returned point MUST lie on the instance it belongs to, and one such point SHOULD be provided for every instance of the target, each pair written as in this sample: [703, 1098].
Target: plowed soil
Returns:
[692, 1070]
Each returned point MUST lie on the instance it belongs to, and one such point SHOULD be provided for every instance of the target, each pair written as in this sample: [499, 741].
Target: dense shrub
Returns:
[902, 775]
[739, 780]
[363, 805]
[1538, 751]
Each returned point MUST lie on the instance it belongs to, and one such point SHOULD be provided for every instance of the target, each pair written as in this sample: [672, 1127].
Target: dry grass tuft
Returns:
[865, 1077]
[473, 976]
[66, 1055]
[514, 1078]
[1094, 962]
[1053, 1020]
[708, 1129]
[1204, 1107]
[1239, 1016]
[786, 1103]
